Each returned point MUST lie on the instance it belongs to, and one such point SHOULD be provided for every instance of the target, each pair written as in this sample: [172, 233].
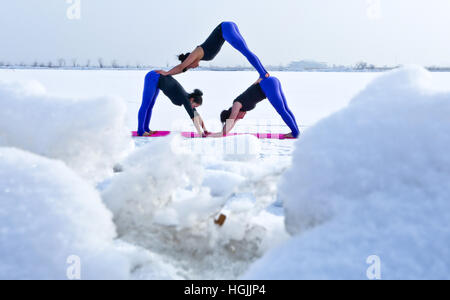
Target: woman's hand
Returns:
[162, 72]
[204, 128]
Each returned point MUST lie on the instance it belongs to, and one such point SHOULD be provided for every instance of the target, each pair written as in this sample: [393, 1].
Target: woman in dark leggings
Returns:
[226, 31]
[264, 88]
[176, 93]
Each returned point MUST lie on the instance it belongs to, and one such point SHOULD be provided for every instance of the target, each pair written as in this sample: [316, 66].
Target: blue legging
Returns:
[272, 88]
[151, 92]
[232, 35]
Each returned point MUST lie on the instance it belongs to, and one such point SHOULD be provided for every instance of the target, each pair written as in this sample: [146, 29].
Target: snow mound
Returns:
[155, 179]
[166, 201]
[48, 214]
[221, 183]
[371, 179]
[245, 148]
[88, 135]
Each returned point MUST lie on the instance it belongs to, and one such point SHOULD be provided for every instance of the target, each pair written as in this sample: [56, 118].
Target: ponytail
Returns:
[225, 115]
[182, 58]
[197, 96]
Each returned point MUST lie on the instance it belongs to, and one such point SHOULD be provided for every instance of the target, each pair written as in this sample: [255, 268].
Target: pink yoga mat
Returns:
[156, 134]
[276, 136]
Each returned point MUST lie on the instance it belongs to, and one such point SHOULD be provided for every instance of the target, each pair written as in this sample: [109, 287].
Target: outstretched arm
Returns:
[231, 122]
[194, 115]
[197, 123]
[191, 61]
[203, 124]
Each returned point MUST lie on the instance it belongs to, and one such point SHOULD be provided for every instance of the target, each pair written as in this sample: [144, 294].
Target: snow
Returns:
[64, 128]
[366, 178]
[165, 196]
[221, 183]
[371, 179]
[47, 214]
[245, 148]
[306, 96]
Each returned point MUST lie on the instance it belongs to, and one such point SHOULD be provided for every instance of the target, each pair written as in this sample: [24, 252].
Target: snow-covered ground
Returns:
[372, 186]
[63, 132]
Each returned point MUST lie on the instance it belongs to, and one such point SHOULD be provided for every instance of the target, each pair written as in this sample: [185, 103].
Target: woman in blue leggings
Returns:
[176, 93]
[264, 88]
[226, 31]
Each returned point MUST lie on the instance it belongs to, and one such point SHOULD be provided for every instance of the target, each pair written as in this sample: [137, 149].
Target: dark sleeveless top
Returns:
[213, 44]
[176, 93]
[252, 96]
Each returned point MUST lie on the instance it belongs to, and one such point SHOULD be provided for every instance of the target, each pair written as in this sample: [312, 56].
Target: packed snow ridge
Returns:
[67, 129]
[369, 180]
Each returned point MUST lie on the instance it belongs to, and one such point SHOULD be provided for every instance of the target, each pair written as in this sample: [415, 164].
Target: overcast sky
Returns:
[278, 31]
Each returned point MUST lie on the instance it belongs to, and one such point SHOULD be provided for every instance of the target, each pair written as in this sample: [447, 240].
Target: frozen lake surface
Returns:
[311, 97]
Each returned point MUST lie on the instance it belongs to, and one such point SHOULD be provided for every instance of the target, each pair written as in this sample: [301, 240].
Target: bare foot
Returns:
[289, 136]
[149, 133]
[216, 135]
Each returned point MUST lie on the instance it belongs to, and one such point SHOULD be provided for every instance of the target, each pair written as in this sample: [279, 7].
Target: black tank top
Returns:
[252, 96]
[176, 93]
[213, 44]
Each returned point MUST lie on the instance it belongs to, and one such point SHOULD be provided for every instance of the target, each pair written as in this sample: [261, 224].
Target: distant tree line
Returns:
[296, 66]
[74, 63]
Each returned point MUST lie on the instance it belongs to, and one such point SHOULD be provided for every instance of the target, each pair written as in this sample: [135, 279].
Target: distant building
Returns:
[306, 65]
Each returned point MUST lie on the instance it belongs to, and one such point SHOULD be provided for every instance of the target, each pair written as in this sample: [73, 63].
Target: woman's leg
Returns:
[272, 88]
[232, 35]
[287, 107]
[149, 112]
[148, 100]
